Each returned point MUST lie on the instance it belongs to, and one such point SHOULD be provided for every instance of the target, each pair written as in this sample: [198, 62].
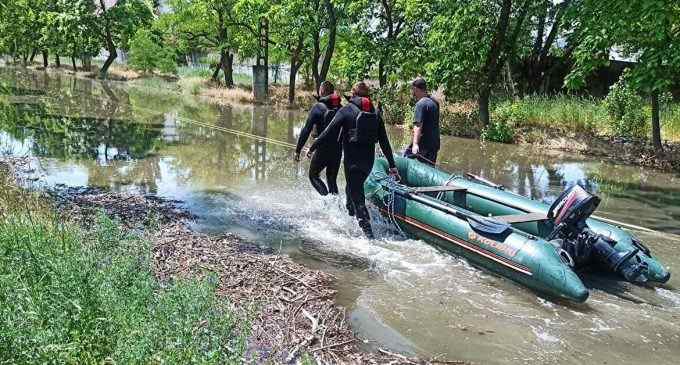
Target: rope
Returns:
[391, 214]
[452, 177]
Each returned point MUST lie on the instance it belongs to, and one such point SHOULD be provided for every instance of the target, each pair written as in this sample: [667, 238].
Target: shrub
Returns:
[146, 55]
[460, 119]
[626, 111]
[396, 104]
[498, 131]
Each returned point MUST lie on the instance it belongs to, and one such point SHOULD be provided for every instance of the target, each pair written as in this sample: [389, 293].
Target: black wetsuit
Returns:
[327, 156]
[359, 158]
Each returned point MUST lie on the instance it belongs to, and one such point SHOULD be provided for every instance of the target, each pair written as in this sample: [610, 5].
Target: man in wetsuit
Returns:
[327, 156]
[425, 145]
[360, 128]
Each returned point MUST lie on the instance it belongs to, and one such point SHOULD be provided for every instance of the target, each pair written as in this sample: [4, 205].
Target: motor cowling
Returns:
[569, 213]
[572, 208]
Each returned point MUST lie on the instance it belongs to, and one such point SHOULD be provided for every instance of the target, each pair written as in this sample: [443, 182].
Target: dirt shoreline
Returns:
[616, 150]
[290, 309]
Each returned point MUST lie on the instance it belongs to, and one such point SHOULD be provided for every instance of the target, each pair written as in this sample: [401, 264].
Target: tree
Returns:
[291, 23]
[326, 21]
[118, 24]
[470, 42]
[553, 20]
[646, 31]
[214, 26]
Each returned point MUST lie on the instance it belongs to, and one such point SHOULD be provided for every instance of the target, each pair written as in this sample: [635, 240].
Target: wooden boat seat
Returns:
[521, 218]
[437, 189]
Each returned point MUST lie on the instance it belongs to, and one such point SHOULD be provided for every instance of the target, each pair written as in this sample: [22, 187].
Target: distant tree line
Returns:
[468, 47]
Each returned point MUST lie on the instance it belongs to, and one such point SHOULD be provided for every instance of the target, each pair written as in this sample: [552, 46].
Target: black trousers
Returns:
[356, 198]
[328, 159]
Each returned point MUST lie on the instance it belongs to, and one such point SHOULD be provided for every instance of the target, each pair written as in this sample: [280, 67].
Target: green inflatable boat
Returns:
[537, 245]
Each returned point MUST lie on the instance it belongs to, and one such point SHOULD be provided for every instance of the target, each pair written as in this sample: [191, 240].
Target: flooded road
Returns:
[401, 293]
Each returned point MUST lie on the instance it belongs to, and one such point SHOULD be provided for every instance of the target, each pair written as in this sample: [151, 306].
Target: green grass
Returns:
[70, 296]
[670, 122]
[578, 114]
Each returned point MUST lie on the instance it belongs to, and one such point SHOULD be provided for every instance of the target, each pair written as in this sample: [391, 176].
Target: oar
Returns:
[477, 222]
[484, 181]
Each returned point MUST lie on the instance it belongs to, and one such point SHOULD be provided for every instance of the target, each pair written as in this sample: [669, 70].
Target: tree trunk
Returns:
[316, 56]
[228, 69]
[294, 67]
[510, 81]
[330, 47]
[483, 104]
[110, 46]
[104, 71]
[85, 63]
[45, 60]
[57, 61]
[73, 62]
[491, 66]
[382, 73]
[33, 53]
[656, 124]
[291, 85]
[216, 73]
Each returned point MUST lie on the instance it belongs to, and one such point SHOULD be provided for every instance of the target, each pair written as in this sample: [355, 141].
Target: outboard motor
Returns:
[569, 213]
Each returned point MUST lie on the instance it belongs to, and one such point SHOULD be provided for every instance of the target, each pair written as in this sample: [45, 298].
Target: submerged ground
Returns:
[240, 178]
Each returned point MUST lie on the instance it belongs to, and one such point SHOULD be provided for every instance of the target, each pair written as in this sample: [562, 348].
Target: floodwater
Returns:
[233, 167]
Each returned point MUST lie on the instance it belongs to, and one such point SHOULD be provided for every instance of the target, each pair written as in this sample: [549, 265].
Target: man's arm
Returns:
[330, 132]
[306, 130]
[384, 142]
[417, 127]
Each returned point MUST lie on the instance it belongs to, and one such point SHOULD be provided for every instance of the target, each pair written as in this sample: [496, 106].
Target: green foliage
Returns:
[626, 111]
[146, 55]
[498, 131]
[69, 296]
[397, 106]
[562, 112]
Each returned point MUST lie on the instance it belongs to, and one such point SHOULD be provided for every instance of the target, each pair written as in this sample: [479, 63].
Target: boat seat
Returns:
[521, 218]
[437, 189]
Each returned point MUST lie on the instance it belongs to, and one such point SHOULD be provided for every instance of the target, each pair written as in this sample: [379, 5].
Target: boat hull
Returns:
[521, 255]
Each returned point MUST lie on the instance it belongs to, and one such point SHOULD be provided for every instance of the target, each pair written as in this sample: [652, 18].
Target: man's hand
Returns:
[415, 149]
[297, 157]
[395, 173]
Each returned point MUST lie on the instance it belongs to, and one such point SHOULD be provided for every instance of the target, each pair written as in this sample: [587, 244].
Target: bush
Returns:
[561, 112]
[396, 104]
[498, 131]
[146, 55]
[626, 111]
[460, 119]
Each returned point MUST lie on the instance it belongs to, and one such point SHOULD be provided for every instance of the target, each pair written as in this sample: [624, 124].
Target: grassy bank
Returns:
[532, 118]
[68, 295]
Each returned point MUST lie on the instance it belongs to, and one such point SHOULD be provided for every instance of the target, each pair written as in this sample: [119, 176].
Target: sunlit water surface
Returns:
[401, 293]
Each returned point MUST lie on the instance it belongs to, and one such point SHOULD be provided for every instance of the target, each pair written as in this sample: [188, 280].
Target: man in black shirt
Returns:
[329, 155]
[425, 145]
[359, 127]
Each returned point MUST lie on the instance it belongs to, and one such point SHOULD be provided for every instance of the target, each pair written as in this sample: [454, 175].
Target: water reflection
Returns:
[415, 298]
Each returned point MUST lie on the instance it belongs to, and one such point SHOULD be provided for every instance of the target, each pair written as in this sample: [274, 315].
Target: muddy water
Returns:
[401, 293]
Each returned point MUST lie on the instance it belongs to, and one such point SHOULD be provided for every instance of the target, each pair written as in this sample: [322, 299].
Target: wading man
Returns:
[425, 144]
[327, 156]
[359, 128]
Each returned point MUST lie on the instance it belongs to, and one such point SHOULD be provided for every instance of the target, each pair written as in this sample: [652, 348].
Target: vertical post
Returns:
[261, 68]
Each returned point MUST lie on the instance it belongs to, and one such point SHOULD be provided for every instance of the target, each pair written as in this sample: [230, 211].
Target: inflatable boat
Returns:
[540, 246]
